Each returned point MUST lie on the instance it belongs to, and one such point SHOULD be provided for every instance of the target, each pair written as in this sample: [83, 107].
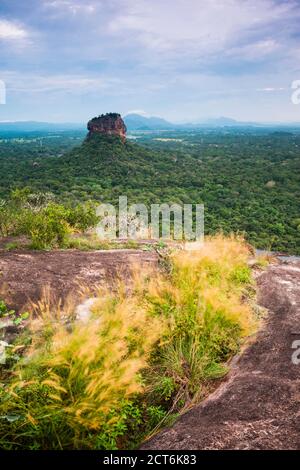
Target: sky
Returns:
[184, 60]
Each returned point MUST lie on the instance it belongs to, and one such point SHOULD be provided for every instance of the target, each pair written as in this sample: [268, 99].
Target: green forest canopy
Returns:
[248, 181]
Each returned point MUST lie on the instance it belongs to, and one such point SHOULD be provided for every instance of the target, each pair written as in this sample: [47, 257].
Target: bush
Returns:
[45, 222]
[83, 216]
[10, 220]
[202, 300]
[48, 227]
[6, 222]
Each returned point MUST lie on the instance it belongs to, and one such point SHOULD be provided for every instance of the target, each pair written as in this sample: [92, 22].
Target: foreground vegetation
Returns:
[45, 222]
[138, 359]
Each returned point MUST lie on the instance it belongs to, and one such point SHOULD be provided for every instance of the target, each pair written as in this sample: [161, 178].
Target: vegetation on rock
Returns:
[136, 361]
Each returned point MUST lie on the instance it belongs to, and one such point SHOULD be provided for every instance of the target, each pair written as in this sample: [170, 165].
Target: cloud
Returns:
[271, 89]
[141, 112]
[11, 31]
[175, 58]
[74, 84]
[190, 28]
[255, 50]
[70, 6]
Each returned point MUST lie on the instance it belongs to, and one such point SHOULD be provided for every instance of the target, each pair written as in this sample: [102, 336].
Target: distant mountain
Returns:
[135, 122]
[221, 121]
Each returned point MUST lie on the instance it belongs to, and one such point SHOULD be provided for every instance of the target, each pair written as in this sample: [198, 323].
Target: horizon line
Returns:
[176, 123]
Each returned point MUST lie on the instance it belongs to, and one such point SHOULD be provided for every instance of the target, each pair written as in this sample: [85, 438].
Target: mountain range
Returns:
[136, 122]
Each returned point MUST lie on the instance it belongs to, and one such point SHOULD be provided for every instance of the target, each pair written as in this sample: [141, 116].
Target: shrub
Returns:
[45, 222]
[10, 221]
[48, 227]
[202, 300]
[83, 216]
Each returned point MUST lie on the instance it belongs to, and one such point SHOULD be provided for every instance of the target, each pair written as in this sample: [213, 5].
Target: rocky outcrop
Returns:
[25, 274]
[107, 124]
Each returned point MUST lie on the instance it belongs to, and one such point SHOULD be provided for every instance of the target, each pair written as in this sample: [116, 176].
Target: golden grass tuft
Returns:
[90, 367]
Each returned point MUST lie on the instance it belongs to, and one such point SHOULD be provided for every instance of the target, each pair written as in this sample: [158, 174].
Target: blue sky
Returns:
[185, 60]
